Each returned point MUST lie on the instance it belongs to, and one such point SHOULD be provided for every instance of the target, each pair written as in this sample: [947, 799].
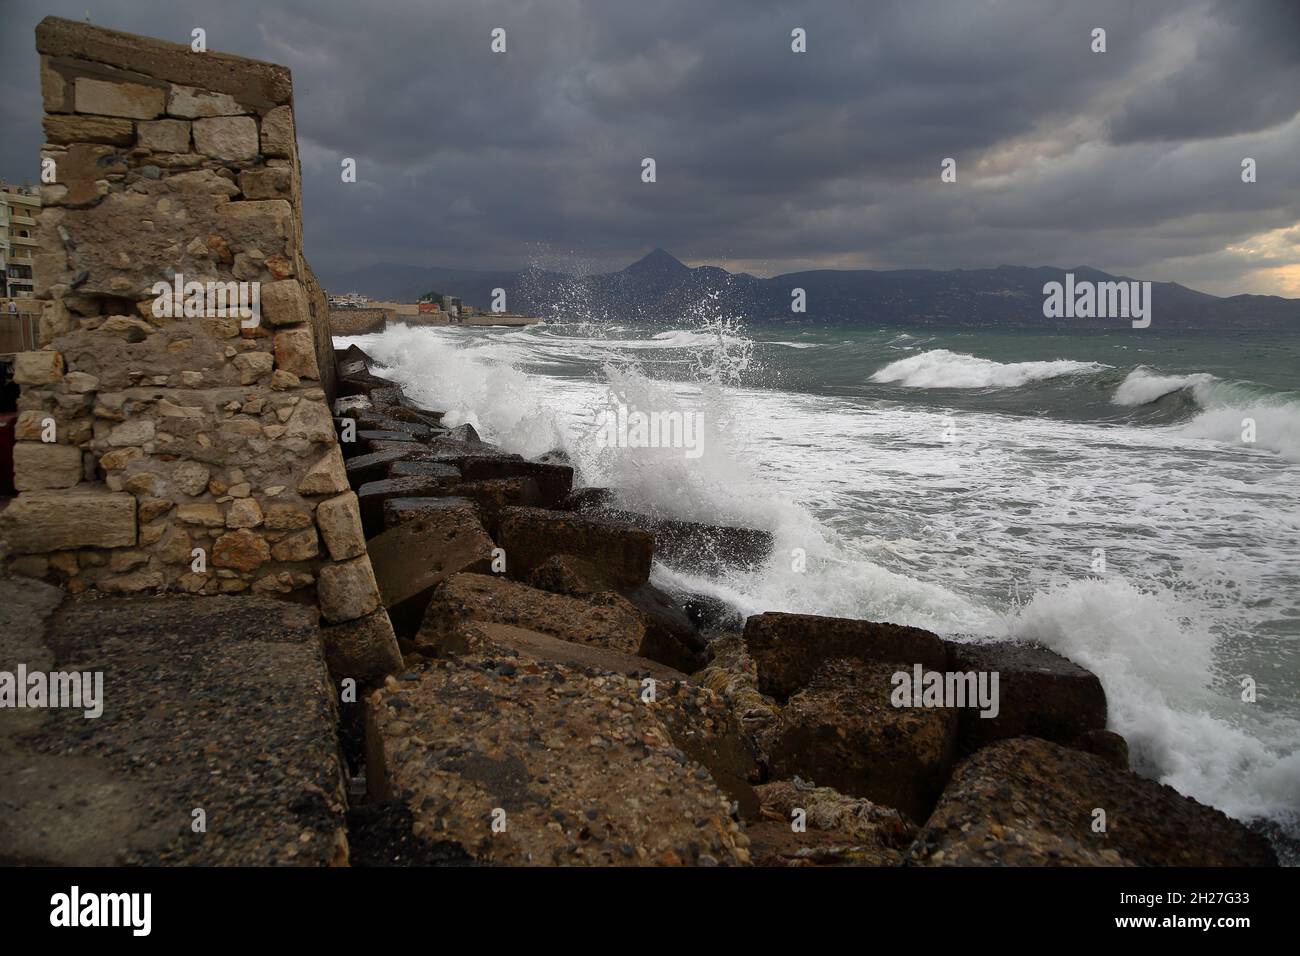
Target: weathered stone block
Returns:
[226, 137]
[326, 476]
[40, 465]
[365, 649]
[295, 351]
[339, 520]
[245, 513]
[108, 98]
[266, 183]
[242, 550]
[278, 137]
[165, 136]
[37, 522]
[249, 81]
[299, 546]
[191, 103]
[88, 129]
[347, 590]
[54, 88]
[311, 422]
[284, 303]
[252, 366]
[254, 222]
[205, 514]
[38, 368]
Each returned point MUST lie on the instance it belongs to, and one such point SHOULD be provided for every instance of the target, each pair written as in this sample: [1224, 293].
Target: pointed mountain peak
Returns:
[658, 261]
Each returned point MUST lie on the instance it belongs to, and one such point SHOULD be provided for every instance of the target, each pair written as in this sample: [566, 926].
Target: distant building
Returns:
[19, 207]
[349, 300]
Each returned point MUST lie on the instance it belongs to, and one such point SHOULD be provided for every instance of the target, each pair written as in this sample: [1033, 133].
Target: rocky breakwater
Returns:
[556, 707]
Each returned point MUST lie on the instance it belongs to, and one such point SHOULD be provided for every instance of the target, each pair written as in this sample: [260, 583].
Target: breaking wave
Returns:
[1234, 413]
[940, 368]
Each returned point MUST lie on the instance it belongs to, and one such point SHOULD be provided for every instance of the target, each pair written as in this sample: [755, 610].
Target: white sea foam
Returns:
[1157, 664]
[940, 368]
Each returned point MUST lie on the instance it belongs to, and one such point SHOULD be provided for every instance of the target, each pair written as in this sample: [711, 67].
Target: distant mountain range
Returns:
[658, 289]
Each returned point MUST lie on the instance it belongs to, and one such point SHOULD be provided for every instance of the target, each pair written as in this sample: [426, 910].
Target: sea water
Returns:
[1091, 491]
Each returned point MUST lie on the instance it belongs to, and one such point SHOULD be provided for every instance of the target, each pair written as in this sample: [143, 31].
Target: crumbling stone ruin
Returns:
[167, 442]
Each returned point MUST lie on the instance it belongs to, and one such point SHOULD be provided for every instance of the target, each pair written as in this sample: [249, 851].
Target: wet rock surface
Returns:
[842, 731]
[789, 648]
[532, 535]
[1040, 694]
[1031, 802]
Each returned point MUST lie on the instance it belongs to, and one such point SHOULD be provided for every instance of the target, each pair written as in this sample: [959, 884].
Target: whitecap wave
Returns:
[940, 368]
[1143, 386]
[1233, 413]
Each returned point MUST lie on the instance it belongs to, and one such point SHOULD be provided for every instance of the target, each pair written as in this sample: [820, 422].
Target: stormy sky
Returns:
[767, 160]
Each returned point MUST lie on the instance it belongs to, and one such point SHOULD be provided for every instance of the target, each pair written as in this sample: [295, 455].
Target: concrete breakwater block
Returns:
[373, 494]
[692, 544]
[789, 648]
[373, 466]
[1031, 802]
[1040, 694]
[843, 731]
[553, 480]
[413, 557]
[532, 535]
[491, 599]
[220, 704]
[703, 548]
[546, 765]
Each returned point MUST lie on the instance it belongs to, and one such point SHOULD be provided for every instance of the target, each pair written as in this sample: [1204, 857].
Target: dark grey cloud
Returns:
[769, 160]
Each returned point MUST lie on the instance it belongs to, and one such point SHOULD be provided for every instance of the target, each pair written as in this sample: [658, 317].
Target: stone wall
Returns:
[359, 321]
[142, 438]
